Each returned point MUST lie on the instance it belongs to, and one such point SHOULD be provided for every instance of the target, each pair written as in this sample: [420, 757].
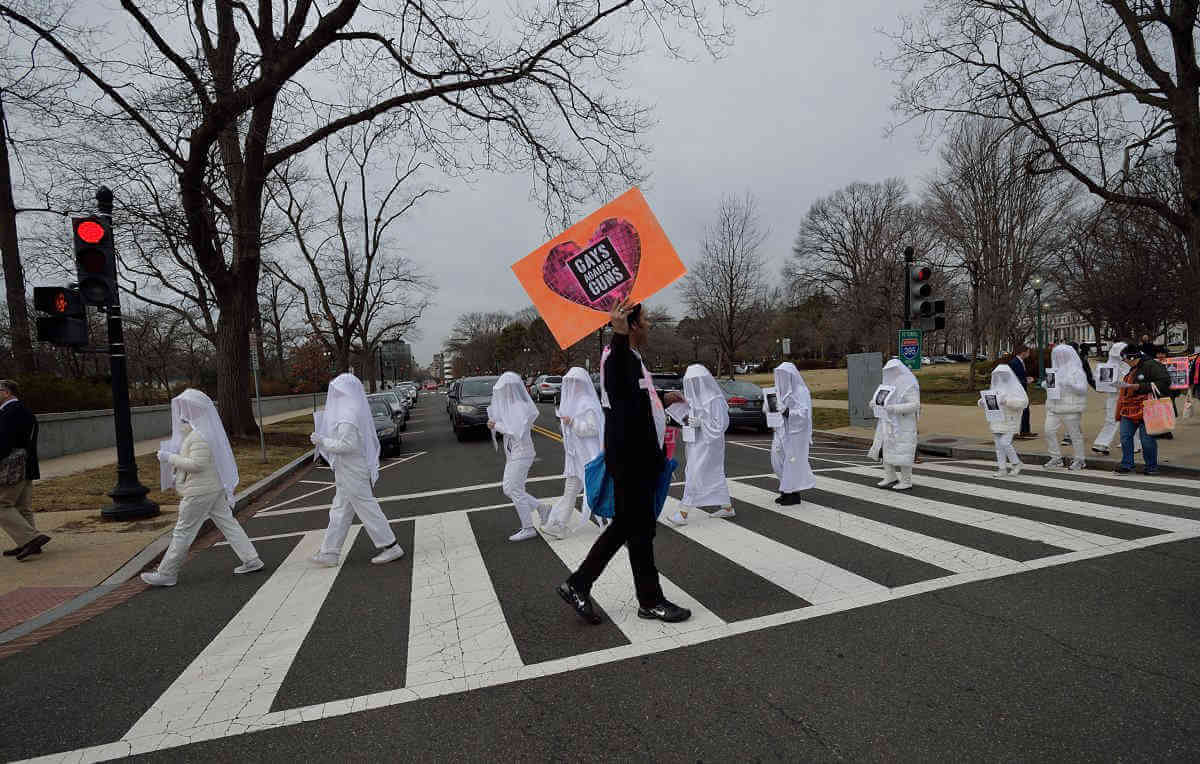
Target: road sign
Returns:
[787, 345]
[910, 348]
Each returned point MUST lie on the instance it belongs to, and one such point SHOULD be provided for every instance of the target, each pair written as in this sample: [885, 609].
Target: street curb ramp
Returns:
[150, 552]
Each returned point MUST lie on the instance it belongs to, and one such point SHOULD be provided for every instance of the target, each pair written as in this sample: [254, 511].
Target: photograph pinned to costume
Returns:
[1106, 378]
[618, 252]
[879, 401]
[991, 405]
[1178, 369]
[1052, 390]
[679, 412]
[771, 405]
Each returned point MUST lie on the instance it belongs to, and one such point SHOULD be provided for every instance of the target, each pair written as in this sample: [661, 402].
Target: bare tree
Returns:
[357, 288]
[473, 342]
[850, 248]
[727, 288]
[230, 86]
[278, 305]
[1102, 87]
[997, 224]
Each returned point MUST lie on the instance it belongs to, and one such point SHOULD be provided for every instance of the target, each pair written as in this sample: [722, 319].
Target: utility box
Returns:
[864, 373]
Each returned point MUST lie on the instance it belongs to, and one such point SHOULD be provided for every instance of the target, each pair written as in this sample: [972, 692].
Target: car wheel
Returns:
[461, 435]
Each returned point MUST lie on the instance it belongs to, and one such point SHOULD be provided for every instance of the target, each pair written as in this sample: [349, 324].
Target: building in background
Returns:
[1069, 326]
[397, 359]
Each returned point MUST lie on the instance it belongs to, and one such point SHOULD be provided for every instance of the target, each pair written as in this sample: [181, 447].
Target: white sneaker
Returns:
[249, 567]
[1015, 469]
[326, 559]
[543, 511]
[886, 482]
[1053, 464]
[158, 579]
[523, 535]
[393, 552]
[555, 531]
[902, 487]
[1077, 466]
[1000, 473]
[724, 512]
[677, 519]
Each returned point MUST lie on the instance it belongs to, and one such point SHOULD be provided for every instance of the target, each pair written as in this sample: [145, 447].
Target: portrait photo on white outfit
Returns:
[581, 420]
[895, 439]
[1066, 401]
[704, 472]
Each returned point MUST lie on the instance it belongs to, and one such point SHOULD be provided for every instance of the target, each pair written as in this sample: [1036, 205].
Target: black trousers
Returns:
[1025, 422]
[633, 525]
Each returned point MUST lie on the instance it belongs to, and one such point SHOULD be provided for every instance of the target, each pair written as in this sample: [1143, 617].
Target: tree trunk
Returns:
[234, 385]
[14, 272]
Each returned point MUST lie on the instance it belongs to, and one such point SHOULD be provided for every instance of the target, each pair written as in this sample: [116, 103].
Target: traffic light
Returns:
[65, 323]
[95, 260]
[927, 312]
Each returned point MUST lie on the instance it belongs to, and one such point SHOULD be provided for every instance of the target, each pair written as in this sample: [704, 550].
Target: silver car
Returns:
[546, 388]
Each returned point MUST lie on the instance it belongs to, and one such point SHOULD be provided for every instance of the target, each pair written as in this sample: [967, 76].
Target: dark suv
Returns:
[468, 412]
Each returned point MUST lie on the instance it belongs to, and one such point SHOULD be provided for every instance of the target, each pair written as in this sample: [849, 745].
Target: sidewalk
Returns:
[84, 549]
[966, 427]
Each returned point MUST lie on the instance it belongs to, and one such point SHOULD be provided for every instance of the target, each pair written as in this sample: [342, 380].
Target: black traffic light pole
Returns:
[908, 261]
[129, 495]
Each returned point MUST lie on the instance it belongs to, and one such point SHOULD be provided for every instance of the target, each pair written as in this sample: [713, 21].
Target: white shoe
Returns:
[393, 552]
[158, 579]
[555, 531]
[1015, 469]
[1077, 466]
[724, 512]
[543, 511]
[1053, 464]
[1000, 473]
[249, 567]
[523, 535]
[902, 487]
[886, 483]
[326, 559]
[677, 519]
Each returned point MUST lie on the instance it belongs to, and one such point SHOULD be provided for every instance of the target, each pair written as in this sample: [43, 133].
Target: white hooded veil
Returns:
[512, 408]
[791, 388]
[900, 377]
[1068, 367]
[347, 402]
[1005, 382]
[706, 398]
[198, 410]
[579, 396]
[1114, 353]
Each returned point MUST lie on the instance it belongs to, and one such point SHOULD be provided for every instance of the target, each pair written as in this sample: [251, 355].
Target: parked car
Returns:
[745, 401]
[400, 403]
[469, 416]
[925, 361]
[942, 359]
[667, 382]
[547, 387]
[451, 395]
[386, 427]
[958, 358]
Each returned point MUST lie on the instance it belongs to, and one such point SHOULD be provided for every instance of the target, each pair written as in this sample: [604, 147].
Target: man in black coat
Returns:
[634, 457]
[1017, 364]
[18, 430]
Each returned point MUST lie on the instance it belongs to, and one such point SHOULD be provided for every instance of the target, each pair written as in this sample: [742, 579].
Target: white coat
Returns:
[353, 492]
[1070, 380]
[1012, 398]
[789, 446]
[583, 438]
[896, 433]
[195, 471]
[704, 475]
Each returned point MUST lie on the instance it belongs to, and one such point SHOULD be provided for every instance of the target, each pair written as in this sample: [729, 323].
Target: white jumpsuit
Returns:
[519, 455]
[1067, 409]
[704, 476]
[581, 441]
[789, 446]
[354, 494]
[1013, 402]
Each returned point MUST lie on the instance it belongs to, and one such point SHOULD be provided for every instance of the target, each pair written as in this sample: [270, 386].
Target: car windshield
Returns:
[667, 382]
[554, 380]
[742, 389]
[477, 388]
[380, 407]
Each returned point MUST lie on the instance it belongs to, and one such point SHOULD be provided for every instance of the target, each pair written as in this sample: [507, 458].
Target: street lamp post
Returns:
[1038, 282]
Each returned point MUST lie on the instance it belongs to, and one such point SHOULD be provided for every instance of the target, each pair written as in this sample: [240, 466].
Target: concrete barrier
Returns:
[74, 432]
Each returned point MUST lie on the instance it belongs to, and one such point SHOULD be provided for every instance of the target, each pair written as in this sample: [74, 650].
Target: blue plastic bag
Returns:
[600, 493]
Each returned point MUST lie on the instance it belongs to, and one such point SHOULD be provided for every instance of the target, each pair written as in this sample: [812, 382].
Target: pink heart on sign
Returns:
[602, 273]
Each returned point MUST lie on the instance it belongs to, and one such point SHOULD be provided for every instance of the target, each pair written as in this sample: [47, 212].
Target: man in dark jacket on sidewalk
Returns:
[634, 457]
[1017, 364]
[1145, 376]
[18, 436]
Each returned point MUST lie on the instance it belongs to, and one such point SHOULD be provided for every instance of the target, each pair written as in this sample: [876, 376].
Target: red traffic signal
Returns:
[65, 325]
[90, 231]
[922, 274]
[57, 301]
[95, 260]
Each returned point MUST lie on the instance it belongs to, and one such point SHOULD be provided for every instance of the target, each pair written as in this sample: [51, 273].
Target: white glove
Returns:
[164, 456]
[315, 439]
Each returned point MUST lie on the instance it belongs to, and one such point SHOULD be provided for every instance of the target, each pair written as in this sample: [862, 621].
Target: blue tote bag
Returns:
[599, 487]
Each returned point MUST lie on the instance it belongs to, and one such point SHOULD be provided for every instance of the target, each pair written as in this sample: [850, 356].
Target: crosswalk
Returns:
[465, 609]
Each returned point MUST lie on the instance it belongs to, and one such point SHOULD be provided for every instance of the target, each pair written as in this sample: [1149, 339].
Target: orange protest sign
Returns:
[618, 251]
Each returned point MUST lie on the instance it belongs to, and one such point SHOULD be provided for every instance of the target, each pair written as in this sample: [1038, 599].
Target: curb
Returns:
[960, 452]
[152, 550]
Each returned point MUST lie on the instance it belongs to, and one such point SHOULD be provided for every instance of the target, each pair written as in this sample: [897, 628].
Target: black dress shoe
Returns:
[780, 498]
[13, 552]
[581, 602]
[791, 499]
[33, 547]
[665, 611]
[1122, 470]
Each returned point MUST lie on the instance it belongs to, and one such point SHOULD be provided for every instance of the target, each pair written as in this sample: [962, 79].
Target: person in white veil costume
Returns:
[1013, 401]
[583, 439]
[704, 477]
[348, 442]
[198, 462]
[896, 431]
[1108, 432]
[789, 447]
[1067, 409]
[512, 414]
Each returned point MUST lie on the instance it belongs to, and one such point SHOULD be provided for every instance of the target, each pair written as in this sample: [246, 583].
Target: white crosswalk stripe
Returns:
[458, 638]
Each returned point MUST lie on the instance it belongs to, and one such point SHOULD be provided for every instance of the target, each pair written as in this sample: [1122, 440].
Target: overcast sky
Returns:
[796, 109]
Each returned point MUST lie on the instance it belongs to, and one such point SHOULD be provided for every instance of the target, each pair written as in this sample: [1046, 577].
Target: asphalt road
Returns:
[1052, 616]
